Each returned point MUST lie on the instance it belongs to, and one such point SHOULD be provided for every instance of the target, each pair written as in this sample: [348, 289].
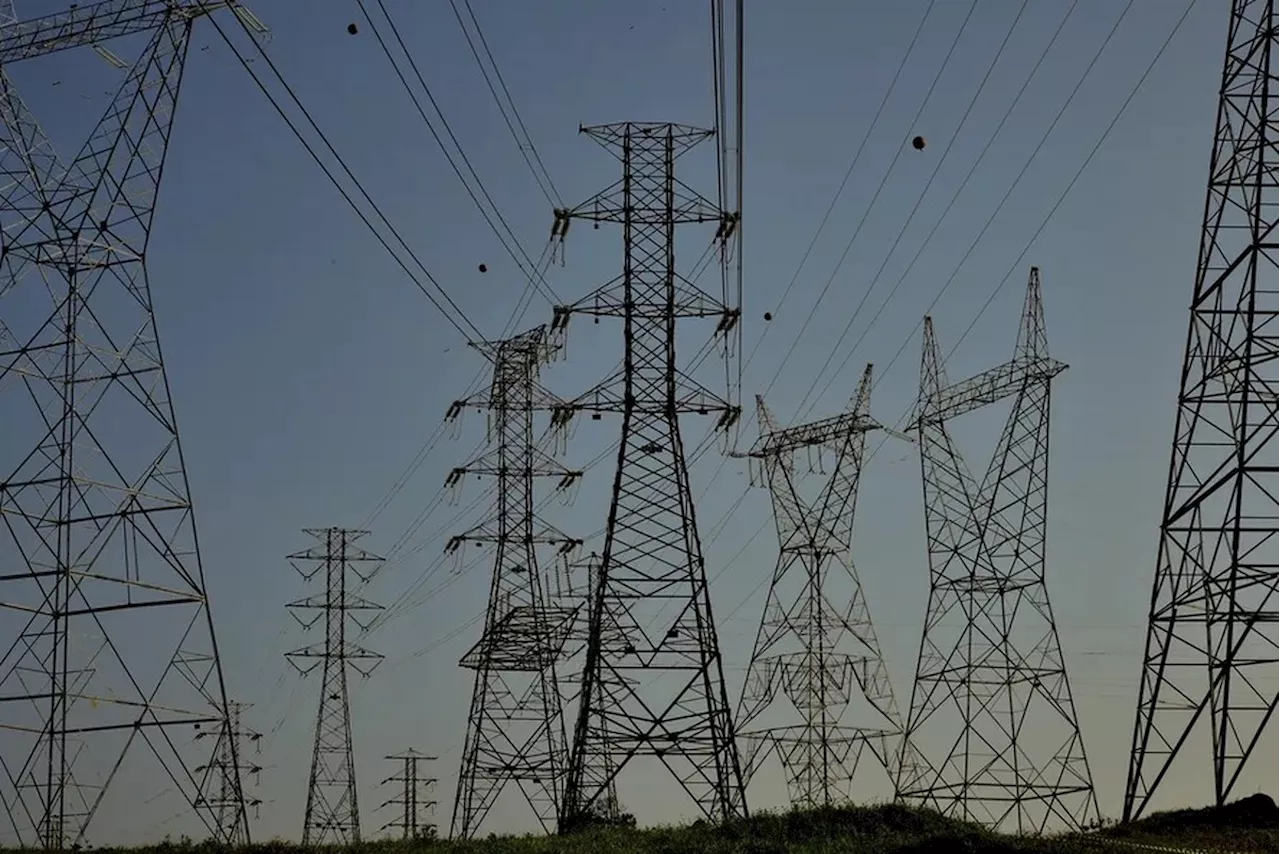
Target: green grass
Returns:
[886, 829]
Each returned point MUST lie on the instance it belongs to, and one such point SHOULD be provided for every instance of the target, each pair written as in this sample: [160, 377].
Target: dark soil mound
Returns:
[1256, 812]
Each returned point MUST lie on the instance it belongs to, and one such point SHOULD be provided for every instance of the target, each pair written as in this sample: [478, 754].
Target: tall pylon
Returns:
[652, 555]
[1211, 649]
[224, 776]
[333, 810]
[991, 698]
[109, 650]
[816, 646]
[414, 797]
[515, 729]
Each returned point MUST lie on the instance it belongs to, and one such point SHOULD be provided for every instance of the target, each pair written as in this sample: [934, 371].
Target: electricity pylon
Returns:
[413, 798]
[652, 555]
[816, 645]
[333, 811]
[515, 730]
[991, 697]
[224, 776]
[1211, 632]
[108, 640]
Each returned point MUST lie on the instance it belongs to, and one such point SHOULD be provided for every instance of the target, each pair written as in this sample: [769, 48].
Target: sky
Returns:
[308, 370]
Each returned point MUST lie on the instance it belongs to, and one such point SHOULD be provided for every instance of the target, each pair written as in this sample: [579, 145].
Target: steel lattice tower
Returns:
[1211, 642]
[98, 544]
[411, 800]
[333, 812]
[991, 687]
[816, 645]
[515, 731]
[652, 555]
[224, 776]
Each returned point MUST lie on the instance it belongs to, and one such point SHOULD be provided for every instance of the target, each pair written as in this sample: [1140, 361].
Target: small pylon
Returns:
[333, 812]
[414, 797]
[816, 646]
[223, 785]
[991, 699]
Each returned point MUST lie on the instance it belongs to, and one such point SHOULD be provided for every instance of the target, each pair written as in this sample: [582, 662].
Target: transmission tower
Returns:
[1211, 643]
[99, 545]
[224, 776]
[515, 730]
[413, 797]
[991, 694]
[652, 555]
[816, 645]
[333, 813]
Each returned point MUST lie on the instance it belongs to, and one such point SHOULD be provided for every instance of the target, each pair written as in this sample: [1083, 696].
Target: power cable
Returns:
[532, 271]
[946, 60]
[1007, 195]
[527, 149]
[345, 195]
[822, 224]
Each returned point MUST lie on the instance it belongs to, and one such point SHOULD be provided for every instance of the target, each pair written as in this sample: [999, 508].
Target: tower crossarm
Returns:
[826, 431]
[983, 389]
[94, 23]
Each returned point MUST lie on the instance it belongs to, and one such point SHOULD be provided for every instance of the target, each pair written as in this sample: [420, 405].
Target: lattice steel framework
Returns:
[515, 730]
[224, 776]
[98, 546]
[333, 810]
[816, 645]
[652, 555]
[572, 587]
[414, 797]
[991, 697]
[1211, 641]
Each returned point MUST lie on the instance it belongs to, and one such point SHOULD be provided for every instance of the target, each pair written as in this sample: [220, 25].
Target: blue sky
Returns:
[308, 370]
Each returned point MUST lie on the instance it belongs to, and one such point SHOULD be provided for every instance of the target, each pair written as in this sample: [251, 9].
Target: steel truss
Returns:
[413, 799]
[98, 544]
[652, 555]
[515, 730]
[991, 696]
[333, 812]
[816, 645]
[224, 784]
[1211, 633]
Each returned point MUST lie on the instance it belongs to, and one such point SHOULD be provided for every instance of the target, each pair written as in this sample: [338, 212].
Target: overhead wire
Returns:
[884, 180]
[528, 150]
[532, 271]
[857, 156]
[461, 320]
[999, 207]
[991, 67]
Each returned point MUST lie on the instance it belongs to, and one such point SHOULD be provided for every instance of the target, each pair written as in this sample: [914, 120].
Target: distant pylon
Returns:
[413, 798]
[991, 699]
[816, 645]
[98, 548]
[333, 813]
[515, 730]
[652, 555]
[224, 776]
[1211, 633]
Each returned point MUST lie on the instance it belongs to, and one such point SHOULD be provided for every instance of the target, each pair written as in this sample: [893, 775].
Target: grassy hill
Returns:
[1245, 826]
